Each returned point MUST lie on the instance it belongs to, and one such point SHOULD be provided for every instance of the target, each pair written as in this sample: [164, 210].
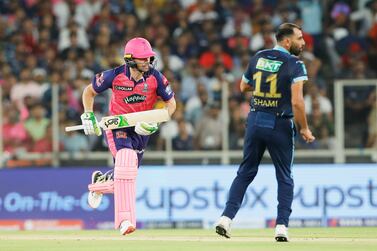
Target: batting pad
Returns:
[105, 187]
[125, 173]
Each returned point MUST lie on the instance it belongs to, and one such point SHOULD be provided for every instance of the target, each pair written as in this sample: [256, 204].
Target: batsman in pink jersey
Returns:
[135, 87]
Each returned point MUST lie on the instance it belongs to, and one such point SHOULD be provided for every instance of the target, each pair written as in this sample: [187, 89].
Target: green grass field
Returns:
[303, 239]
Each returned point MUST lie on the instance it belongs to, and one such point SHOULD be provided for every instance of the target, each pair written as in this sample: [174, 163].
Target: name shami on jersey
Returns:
[266, 102]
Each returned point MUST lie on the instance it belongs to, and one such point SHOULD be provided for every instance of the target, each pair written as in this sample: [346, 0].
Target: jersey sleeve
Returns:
[248, 74]
[102, 81]
[163, 87]
[298, 71]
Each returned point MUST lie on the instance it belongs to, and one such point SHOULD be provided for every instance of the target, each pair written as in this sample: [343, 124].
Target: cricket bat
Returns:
[128, 120]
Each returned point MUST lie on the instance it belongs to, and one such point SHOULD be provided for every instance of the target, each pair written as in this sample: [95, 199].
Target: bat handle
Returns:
[74, 128]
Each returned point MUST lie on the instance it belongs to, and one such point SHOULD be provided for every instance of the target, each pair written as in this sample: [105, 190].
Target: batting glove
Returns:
[90, 123]
[146, 129]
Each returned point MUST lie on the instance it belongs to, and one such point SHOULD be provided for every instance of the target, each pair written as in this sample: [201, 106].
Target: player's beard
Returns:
[143, 68]
[295, 49]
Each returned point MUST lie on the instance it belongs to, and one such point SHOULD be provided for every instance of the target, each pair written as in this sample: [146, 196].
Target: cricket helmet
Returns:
[138, 47]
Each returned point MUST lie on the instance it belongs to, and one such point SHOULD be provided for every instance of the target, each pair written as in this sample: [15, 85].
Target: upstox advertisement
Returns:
[187, 193]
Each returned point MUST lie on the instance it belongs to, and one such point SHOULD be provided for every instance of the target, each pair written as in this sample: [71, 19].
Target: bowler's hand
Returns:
[307, 135]
[146, 129]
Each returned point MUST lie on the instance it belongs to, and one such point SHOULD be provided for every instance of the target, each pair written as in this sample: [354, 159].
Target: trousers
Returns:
[276, 134]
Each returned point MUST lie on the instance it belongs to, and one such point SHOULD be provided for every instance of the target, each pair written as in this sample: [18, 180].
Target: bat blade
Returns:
[128, 120]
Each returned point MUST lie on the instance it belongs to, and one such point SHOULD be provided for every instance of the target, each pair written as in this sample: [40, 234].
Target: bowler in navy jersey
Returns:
[276, 78]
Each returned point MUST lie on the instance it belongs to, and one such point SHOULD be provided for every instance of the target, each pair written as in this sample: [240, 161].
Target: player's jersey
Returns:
[271, 73]
[131, 96]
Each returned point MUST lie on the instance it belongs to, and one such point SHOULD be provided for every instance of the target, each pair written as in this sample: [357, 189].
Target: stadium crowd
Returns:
[203, 47]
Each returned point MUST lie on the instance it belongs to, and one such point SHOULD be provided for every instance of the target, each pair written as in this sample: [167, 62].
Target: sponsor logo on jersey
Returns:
[99, 79]
[123, 88]
[135, 98]
[268, 65]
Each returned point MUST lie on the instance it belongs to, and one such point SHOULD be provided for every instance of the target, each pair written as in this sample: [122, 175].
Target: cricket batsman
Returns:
[135, 87]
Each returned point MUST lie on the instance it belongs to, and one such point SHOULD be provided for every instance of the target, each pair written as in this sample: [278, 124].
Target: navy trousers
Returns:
[277, 134]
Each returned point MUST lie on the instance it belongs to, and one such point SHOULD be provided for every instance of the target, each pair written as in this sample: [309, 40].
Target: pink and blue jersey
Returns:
[130, 96]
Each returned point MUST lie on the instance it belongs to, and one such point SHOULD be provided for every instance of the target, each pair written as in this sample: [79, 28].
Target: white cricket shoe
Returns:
[126, 227]
[223, 226]
[281, 233]
[94, 199]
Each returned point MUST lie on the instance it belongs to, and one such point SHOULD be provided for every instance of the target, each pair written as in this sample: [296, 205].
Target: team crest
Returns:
[145, 88]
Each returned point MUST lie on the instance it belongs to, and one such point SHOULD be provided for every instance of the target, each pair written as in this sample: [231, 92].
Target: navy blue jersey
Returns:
[271, 74]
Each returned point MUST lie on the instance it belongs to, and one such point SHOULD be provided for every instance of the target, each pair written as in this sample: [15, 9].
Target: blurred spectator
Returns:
[44, 144]
[265, 38]
[7, 83]
[321, 126]
[315, 95]
[73, 51]
[202, 10]
[220, 82]
[73, 35]
[63, 10]
[287, 12]
[359, 70]
[191, 76]
[74, 141]
[195, 105]
[209, 128]
[311, 13]
[337, 28]
[169, 60]
[363, 19]
[170, 129]
[183, 141]
[87, 10]
[15, 136]
[215, 55]
[238, 23]
[37, 124]
[26, 87]
[359, 101]
[236, 129]
[104, 18]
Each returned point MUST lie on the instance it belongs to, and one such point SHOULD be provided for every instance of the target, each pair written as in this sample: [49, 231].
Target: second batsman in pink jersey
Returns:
[135, 87]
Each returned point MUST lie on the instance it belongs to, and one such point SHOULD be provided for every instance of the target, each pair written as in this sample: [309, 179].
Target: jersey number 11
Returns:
[272, 80]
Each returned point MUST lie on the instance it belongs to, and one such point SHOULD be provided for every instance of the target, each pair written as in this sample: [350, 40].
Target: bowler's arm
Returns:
[245, 87]
[298, 107]
[298, 104]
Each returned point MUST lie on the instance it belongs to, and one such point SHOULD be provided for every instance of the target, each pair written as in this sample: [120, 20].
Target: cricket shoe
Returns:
[94, 199]
[126, 227]
[281, 233]
[223, 226]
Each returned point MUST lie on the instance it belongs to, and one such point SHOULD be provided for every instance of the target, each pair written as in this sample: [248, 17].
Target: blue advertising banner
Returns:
[50, 194]
[191, 194]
